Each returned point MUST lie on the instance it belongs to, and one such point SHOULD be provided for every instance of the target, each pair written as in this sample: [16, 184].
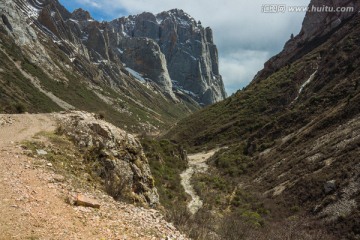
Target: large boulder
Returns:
[115, 155]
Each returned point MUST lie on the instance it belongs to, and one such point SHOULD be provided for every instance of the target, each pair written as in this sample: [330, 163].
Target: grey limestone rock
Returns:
[117, 155]
[191, 56]
[144, 56]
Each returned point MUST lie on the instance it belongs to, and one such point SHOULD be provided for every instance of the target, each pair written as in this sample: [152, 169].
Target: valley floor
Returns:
[34, 200]
[197, 163]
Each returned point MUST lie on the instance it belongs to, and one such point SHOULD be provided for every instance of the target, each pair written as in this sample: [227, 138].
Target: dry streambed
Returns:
[197, 164]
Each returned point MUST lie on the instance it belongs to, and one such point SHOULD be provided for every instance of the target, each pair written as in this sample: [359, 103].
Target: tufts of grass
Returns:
[65, 158]
[166, 161]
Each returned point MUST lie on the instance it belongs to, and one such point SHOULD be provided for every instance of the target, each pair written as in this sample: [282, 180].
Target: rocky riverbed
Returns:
[197, 163]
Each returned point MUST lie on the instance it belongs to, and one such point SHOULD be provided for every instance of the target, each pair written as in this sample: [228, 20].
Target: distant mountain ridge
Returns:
[170, 49]
[191, 55]
[147, 70]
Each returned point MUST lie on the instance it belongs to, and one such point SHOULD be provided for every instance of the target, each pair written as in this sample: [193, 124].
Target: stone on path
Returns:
[84, 201]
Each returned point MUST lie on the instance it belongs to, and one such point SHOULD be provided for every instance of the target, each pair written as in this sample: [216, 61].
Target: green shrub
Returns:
[20, 108]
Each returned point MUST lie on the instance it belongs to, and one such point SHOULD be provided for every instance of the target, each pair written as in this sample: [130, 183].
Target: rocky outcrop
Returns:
[191, 56]
[12, 18]
[316, 28]
[320, 22]
[144, 56]
[30, 21]
[6, 22]
[115, 156]
[81, 15]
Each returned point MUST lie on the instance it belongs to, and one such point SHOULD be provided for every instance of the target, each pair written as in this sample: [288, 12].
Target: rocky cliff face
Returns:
[191, 55]
[169, 51]
[316, 28]
[145, 56]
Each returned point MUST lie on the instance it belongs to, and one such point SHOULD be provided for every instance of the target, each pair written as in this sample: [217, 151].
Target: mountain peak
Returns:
[321, 21]
[190, 55]
[178, 15]
[81, 15]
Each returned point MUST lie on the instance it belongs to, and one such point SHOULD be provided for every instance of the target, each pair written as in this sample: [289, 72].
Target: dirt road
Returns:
[34, 198]
[15, 128]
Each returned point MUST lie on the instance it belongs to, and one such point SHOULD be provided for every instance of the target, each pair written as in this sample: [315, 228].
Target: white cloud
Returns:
[237, 25]
[92, 3]
[238, 68]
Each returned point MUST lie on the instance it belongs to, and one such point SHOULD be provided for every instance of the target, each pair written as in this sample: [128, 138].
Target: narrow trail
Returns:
[197, 164]
[16, 128]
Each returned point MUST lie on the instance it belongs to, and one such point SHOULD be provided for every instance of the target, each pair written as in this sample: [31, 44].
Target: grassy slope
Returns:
[266, 116]
[242, 114]
[271, 101]
[166, 164]
[265, 108]
[18, 94]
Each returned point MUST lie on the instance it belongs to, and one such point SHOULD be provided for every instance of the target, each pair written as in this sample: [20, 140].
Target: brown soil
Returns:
[34, 200]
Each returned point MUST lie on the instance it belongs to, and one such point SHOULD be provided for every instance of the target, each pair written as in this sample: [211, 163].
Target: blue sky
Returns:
[246, 37]
[97, 11]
